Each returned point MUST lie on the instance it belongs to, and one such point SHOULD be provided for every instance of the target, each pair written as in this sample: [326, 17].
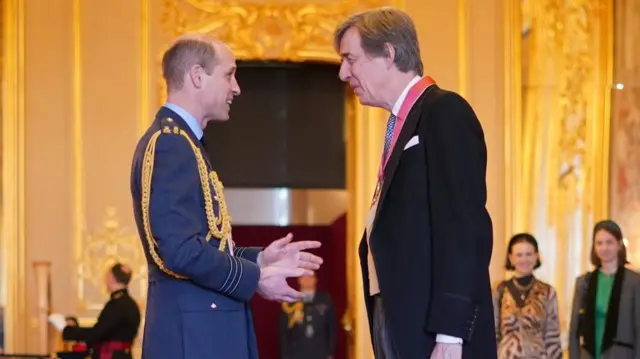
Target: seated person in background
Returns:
[117, 325]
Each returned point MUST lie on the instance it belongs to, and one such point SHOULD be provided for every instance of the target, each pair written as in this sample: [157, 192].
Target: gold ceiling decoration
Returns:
[274, 30]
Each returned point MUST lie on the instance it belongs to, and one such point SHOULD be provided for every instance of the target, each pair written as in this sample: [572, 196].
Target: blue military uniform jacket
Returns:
[197, 301]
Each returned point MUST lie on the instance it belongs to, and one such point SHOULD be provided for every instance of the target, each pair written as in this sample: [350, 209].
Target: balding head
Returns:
[186, 52]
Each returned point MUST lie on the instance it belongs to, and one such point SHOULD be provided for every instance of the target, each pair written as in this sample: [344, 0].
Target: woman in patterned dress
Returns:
[525, 308]
[605, 319]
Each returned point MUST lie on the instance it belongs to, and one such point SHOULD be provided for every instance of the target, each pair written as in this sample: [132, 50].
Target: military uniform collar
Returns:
[191, 121]
[118, 293]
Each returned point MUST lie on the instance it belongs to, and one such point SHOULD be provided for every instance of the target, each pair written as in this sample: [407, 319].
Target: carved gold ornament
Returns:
[279, 31]
[102, 250]
[282, 31]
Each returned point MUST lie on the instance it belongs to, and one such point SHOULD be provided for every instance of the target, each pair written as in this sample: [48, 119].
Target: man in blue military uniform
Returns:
[199, 284]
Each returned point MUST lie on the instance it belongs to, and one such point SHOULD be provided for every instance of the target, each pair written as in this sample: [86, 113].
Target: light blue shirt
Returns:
[188, 118]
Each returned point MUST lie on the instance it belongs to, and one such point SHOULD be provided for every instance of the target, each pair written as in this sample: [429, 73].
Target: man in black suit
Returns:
[117, 325]
[426, 250]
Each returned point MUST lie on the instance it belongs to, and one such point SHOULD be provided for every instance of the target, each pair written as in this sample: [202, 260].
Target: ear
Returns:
[390, 54]
[194, 75]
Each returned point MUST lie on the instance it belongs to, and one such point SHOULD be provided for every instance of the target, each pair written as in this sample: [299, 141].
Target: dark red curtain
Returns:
[331, 278]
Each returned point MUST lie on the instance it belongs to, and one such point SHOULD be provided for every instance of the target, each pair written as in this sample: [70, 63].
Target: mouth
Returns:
[229, 101]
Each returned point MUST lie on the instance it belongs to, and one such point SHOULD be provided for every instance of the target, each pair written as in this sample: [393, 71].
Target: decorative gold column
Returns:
[513, 116]
[13, 218]
[42, 273]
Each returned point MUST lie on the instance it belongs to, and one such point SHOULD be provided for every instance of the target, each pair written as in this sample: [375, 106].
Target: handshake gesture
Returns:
[281, 260]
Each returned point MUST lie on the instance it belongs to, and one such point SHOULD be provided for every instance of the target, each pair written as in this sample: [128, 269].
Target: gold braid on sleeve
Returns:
[219, 226]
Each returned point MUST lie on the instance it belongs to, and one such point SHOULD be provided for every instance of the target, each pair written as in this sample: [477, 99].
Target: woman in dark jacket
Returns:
[605, 318]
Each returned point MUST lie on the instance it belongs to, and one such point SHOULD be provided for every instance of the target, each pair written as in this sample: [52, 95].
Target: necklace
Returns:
[523, 289]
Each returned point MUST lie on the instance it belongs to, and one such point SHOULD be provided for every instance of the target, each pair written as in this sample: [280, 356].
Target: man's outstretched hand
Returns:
[273, 284]
[284, 253]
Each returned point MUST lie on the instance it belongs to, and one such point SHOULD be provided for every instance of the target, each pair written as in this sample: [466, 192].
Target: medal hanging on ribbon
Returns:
[309, 332]
[412, 96]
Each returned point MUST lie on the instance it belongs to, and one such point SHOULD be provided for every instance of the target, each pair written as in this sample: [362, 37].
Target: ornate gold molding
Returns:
[272, 30]
[144, 68]
[13, 170]
[100, 251]
[280, 31]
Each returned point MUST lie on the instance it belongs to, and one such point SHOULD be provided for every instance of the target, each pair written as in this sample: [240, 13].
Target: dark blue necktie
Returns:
[391, 123]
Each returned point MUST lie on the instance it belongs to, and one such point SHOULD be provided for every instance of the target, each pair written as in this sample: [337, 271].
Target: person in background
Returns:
[308, 327]
[117, 326]
[526, 308]
[605, 318]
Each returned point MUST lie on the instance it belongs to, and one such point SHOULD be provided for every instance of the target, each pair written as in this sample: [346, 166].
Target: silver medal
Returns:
[309, 332]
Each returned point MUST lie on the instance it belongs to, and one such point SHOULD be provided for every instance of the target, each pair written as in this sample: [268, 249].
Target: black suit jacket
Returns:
[118, 321]
[432, 238]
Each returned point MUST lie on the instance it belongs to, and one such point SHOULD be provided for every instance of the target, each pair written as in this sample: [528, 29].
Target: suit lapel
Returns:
[589, 324]
[408, 128]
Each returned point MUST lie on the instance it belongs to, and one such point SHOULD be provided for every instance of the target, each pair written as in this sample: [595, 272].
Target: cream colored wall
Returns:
[82, 110]
[86, 105]
[48, 161]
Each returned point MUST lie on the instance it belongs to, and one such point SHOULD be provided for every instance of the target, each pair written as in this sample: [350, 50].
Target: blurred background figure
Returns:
[117, 326]
[525, 308]
[605, 318]
[307, 327]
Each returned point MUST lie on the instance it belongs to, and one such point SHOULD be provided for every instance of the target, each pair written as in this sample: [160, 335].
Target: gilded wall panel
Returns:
[2, 254]
[565, 76]
[625, 125]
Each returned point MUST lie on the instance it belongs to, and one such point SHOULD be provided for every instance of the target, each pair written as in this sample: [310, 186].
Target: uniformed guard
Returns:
[117, 326]
[199, 282]
[307, 327]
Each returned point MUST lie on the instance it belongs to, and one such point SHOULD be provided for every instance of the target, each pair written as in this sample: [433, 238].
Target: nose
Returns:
[235, 87]
[345, 72]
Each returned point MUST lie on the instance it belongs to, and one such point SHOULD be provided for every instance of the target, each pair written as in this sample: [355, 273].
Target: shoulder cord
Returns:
[223, 220]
